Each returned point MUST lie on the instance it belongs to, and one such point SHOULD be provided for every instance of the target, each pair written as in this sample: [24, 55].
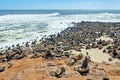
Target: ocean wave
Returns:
[28, 15]
[101, 17]
[18, 28]
[54, 14]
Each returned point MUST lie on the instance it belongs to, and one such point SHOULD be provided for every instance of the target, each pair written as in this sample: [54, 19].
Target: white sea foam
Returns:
[18, 28]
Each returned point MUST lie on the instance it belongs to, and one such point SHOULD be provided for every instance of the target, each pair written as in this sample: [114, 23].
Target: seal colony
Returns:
[87, 51]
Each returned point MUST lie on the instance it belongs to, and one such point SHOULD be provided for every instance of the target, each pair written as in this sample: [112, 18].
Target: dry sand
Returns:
[105, 38]
[27, 70]
[96, 54]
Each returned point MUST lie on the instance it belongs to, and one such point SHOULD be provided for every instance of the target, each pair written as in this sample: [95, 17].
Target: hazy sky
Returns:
[59, 4]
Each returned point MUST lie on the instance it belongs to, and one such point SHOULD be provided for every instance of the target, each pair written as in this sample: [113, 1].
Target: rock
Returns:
[67, 74]
[60, 71]
[83, 71]
[58, 56]
[92, 72]
[99, 74]
[15, 77]
[64, 57]
[100, 47]
[30, 55]
[117, 63]
[21, 56]
[76, 57]
[104, 62]
[70, 62]
[110, 51]
[27, 51]
[100, 68]
[109, 47]
[15, 56]
[94, 45]
[90, 78]
[2, 69]
[114, 72]
[79, 61]
[10, 65]
[37, 55]
[88, 47]
[76, 72]
[67, 54]
[50, 64]
[78, 49]
[76, 68]
[96, 65]
[52, 71]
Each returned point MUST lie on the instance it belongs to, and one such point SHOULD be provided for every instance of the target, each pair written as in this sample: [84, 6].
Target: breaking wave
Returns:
[18, 28]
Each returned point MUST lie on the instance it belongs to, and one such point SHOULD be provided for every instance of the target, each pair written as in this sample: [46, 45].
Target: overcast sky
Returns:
[59, 4]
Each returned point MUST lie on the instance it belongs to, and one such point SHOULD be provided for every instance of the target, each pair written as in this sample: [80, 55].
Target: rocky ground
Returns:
[60, 56]
[39, 69]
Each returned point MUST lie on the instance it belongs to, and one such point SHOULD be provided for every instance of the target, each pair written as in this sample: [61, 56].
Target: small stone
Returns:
[70, 62]
[89, 78]
[94, 45]
[60, 71]
[91, 72]
[79, 61]
[52, 71]
[96, 65]
[83, 71]
[67, 54]
[67, 74]
[76, 72]
[104, 62]
[10, 65]
[100, 68]
[117, 63]
[76, 68]
[64, 57]
[15, 77]
[2, 69]
[99, 74]
[50, 64]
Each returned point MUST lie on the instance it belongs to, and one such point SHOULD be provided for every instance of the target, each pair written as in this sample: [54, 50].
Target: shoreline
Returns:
[47, 36]
[68, 49]
[20, 41]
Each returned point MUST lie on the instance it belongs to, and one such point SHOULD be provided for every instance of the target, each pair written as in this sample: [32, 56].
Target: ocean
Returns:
[18, 26]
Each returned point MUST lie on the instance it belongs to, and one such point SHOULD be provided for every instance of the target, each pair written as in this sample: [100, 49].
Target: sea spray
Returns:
[22, 27]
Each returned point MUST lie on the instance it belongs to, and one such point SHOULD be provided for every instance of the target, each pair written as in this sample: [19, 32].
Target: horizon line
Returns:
[59, 9]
